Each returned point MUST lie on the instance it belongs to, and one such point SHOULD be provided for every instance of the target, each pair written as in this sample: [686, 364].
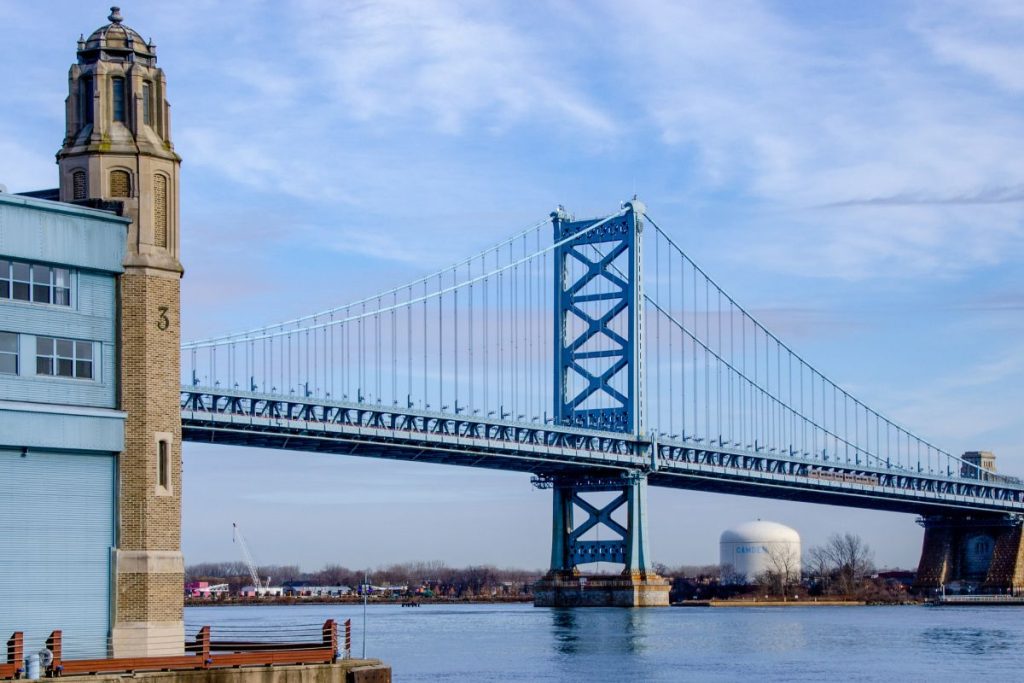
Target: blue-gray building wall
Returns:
[55, 232]
[92, 245]
[60, 436]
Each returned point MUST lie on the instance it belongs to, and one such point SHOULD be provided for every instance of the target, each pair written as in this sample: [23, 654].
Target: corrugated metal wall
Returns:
[57, 529]
[54, 232]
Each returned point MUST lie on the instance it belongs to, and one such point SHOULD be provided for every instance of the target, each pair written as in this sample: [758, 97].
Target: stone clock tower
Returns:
[117, 148]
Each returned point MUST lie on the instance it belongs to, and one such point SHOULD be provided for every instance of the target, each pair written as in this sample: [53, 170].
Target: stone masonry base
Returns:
[563, 589]
[148, 639]
[943, 552]
[149, 603]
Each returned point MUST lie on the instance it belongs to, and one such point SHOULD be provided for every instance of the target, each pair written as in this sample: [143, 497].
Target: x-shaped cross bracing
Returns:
[599, 325]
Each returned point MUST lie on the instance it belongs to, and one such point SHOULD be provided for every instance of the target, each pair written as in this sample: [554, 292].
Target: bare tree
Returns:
[819, 567]
[845, 561]
[729, 576]
[783, 570]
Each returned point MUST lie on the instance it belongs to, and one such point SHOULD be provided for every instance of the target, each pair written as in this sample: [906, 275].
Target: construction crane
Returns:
[236, 535]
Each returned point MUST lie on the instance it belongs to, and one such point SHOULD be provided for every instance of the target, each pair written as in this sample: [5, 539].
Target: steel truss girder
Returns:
[890, 482]
[628, 545]
[246, 418]
[613, 239]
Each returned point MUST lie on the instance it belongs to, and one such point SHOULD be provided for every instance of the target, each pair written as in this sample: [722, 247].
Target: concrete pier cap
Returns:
[572, 589]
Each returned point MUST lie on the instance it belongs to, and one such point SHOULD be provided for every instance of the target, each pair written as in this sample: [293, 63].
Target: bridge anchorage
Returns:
[552, 358]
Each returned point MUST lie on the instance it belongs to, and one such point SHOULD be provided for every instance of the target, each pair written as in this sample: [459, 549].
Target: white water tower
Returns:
[752, 548]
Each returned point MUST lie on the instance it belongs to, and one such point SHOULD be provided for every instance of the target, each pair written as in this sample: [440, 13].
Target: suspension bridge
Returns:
[594, 355]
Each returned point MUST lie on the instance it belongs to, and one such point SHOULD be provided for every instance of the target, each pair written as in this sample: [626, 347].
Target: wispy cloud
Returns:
[992, 195]
[1006, 301]
[983, 37]
[453, 62]
[966, 407]
[788, 115]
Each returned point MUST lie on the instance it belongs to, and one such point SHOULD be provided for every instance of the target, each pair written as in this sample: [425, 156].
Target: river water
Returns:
[519, 642]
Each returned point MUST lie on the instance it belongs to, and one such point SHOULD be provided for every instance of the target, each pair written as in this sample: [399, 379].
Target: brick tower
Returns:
[117, 148]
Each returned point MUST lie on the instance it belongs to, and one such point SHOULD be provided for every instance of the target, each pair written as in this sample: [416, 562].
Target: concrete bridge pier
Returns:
[564, 585]
[984, 550]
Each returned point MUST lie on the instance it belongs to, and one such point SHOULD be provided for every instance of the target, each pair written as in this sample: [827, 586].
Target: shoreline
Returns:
[287, 602]
[713, 603]
[775, 603]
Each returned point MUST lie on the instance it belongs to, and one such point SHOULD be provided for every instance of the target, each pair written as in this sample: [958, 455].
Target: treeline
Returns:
[843, 567]
[436, 576]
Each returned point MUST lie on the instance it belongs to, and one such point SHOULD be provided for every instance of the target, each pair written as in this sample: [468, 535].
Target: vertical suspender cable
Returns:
[426, 404]
[693, 345]
[440, 344]
[394, 349]
[408, 349]
[455, 339]
[657, 327]
[472, 374]
[671, 358]
[501, 342]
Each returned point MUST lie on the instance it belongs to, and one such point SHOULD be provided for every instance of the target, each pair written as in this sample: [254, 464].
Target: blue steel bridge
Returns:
[594, 355]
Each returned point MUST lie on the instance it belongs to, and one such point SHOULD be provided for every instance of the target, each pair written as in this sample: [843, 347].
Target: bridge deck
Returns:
[265, 421]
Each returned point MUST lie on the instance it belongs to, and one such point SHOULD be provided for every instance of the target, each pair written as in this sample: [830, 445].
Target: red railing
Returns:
[202, 653]
[15, 656]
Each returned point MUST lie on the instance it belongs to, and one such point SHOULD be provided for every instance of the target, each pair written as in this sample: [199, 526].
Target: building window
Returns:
[78, 187]
[147, 106]
[8, 353]
[120, 184]
[21, 281]
[64, 358]
[160, 211]
[117, 87]
[61, 286]
[84, 102]
[32, 282]
[164, 469]
[163, 464]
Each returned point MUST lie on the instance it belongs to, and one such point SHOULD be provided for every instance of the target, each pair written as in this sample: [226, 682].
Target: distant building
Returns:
[204, 589]
[384, 590]
[898, 576]
[252, 592]
[307, 589]
[978, 464]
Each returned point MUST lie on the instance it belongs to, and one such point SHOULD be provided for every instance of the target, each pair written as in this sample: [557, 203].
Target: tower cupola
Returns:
[117, 141]
[116, 42]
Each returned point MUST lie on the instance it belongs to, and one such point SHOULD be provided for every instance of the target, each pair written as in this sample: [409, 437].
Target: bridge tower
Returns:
[984, 550]
[117, 154]
[599, 360]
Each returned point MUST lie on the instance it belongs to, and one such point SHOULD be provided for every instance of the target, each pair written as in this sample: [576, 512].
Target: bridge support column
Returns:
[564, 585]
[984, 554]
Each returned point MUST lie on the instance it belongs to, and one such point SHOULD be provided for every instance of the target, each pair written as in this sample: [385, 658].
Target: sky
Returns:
[850, 172]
